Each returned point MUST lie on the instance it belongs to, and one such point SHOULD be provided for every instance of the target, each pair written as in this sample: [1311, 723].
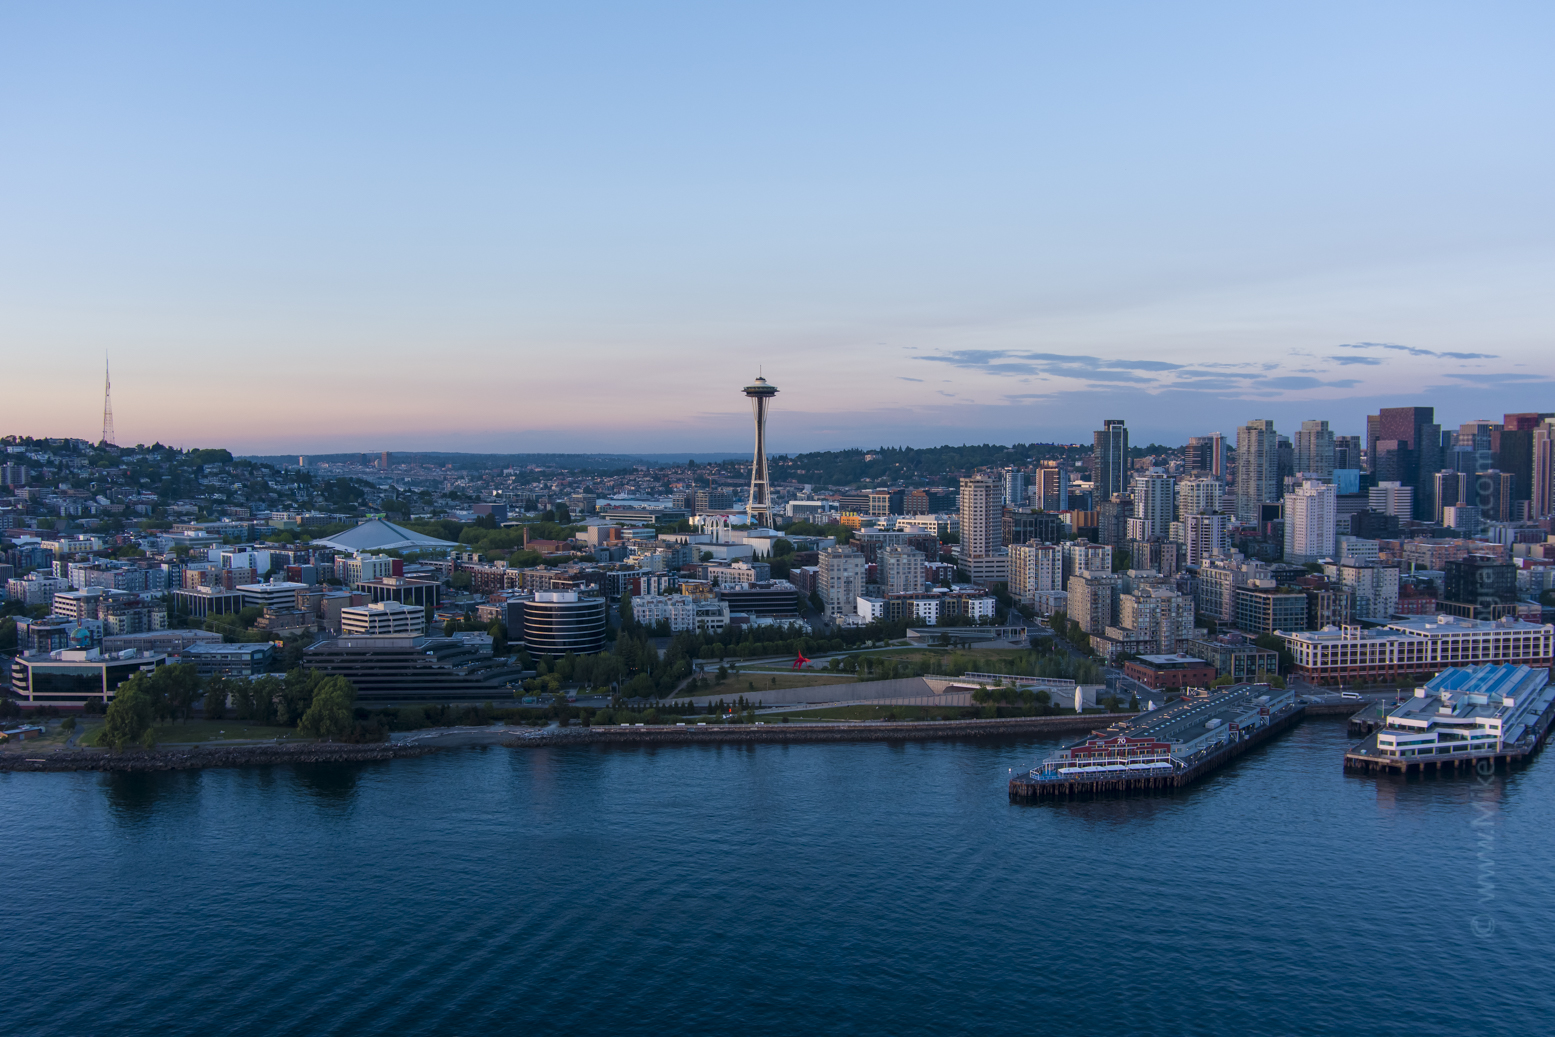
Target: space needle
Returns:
[758, 509]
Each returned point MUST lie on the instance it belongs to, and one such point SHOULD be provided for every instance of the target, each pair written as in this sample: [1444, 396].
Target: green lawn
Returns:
[739, 682]
[933, 660]
[219, 730]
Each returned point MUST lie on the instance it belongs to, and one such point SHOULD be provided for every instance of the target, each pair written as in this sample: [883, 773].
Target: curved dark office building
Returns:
[388, 669]
[558, 622]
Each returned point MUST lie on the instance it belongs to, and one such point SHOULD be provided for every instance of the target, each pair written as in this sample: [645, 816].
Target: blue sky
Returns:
[480, 226]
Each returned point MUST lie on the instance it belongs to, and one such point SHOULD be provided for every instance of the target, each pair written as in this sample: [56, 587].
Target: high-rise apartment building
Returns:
[980, 551]
[1347, 453]
[1155, 502]
[1019, 525]
[1081, 556]
[981, 511]
[1206, 456]
[1374, 588]
[1112, 519]
[1110, 473]
[1219, 579]
[1052, 487]
[1035, 569]
[1314, 448]
[1206, 536]
[1311, 512]
[1543, 481]
[1392, 498]
[900, 570]
[1159, 615]
[1514, 455]
[1014, 487]
[1093, 600]
[1497, 492]
[1448, 490]
[1166, 557]
[843, 572]
[1198, 497]
[1257, 468]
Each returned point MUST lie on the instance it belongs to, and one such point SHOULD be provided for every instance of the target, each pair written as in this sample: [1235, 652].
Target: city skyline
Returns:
[645, 493]
[989, 224]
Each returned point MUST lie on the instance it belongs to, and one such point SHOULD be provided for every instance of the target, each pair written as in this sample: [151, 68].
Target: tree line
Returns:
[316, 704]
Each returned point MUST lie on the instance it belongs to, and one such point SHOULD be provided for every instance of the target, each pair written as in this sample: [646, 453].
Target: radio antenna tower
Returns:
[108, 436]
[758, 508]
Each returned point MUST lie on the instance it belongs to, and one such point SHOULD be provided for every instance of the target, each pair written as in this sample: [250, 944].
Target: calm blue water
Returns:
[774, 890]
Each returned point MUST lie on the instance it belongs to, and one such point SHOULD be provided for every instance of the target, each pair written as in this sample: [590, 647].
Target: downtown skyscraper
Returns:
[1110, 474]
[1314, 449]
[1257, 468]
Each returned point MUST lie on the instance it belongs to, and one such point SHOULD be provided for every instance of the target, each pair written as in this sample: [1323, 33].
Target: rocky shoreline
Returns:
[856, 731]
[195, 757]
[265, 754]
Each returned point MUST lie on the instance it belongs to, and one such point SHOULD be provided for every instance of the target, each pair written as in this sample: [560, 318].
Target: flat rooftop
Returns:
[1178, 659]
[251, 648]
[1454, 624]
[1424, 626]
[1186, 719]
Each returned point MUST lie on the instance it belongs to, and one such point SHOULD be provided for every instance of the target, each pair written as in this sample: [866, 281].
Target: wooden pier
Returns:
[1026, 789]
[1371, 718]
[1365, 758]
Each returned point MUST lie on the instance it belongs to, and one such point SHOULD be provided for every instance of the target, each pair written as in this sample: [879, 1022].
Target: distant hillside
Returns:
[481, 462]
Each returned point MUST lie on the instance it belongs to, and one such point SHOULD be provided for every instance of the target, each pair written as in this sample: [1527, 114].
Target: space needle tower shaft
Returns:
[758, 508]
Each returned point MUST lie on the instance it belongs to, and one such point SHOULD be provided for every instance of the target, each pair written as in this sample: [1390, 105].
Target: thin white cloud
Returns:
[1416, 351]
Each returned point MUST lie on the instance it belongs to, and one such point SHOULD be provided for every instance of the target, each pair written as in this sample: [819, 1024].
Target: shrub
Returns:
[129, 715]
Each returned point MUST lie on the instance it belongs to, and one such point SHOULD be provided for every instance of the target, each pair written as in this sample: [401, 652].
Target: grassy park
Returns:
[209, 731]
[773, 680]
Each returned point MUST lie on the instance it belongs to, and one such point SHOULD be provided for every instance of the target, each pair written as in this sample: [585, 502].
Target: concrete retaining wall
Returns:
[870, 731]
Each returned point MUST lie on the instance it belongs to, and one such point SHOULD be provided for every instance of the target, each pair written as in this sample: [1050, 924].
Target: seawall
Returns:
[212, 756]
[264, 754]
[858, 731]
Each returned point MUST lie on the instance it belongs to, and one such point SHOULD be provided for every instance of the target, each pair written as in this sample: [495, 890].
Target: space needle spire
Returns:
[758, 509]
[108, 435]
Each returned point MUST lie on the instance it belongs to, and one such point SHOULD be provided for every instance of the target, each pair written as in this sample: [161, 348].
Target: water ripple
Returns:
[774, 889]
